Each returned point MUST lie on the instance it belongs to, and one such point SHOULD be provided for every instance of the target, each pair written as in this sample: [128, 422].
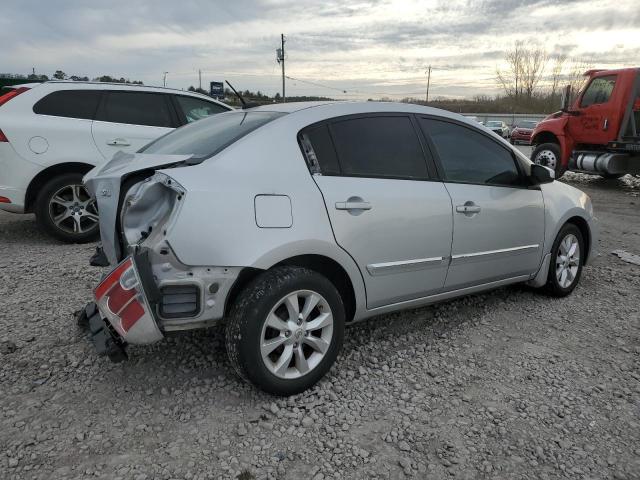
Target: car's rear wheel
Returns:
[65, 210]
[285, 330]
[549, 155]
[567, 256]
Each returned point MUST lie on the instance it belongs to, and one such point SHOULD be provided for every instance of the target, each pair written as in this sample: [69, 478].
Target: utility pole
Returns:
[428, 72]
[200, 79]
[280, 59]
[164, 79]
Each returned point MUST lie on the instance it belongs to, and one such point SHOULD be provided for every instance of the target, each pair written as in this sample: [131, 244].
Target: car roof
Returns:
[52, 84]
[330, 109]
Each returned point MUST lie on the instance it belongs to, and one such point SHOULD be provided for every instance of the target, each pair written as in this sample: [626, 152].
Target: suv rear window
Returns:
[205, 138]
[137, 108]
[69, 103]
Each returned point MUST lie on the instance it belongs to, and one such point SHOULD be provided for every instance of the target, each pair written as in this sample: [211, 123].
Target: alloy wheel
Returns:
[568, 260]
[296, 334]
[72, 209]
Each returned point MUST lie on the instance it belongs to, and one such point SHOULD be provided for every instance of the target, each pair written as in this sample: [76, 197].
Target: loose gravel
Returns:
[509, 384]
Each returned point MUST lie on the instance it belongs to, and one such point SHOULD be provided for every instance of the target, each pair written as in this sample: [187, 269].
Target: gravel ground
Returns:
[509, 384]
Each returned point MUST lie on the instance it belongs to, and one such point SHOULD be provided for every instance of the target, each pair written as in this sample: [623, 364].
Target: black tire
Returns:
[249, 313]
[553, 286]
[512, 141]
[555, 149]
[612, 176]
[44, 215]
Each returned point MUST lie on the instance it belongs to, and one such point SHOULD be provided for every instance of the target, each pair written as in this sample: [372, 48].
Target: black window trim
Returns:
[100, 112]
[525, 184]
[430, 166]
[95, 112]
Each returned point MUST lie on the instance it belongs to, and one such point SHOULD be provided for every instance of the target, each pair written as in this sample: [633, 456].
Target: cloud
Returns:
[369, 46]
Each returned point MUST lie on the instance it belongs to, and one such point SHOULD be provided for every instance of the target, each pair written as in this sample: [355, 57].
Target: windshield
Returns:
[494, 124]
[527, 125]
[206, 137]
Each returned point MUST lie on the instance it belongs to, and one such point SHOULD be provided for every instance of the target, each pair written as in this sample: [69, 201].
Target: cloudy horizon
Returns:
[366, 48]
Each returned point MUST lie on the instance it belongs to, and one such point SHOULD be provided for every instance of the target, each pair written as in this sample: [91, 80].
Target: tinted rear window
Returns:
[137, 108]
[69, 103]
[385, 146]
[205, 138]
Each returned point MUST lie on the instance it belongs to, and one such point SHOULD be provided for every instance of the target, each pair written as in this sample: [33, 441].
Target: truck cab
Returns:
[599, 133]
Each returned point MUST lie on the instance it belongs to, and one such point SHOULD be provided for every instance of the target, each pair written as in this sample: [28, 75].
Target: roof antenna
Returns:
[244, 104]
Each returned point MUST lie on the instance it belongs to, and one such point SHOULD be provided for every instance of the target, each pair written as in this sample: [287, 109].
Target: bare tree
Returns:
[556, 73]
[525, 69]
[511, 77]
[534, 61]
[576, 73]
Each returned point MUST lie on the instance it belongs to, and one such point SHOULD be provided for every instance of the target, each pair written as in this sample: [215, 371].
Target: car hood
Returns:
[104, 184]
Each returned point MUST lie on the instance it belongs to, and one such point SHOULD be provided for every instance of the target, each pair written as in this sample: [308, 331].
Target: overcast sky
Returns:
[368, 48]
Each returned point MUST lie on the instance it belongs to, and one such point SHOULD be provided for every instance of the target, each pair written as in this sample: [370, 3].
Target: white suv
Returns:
[53, 133]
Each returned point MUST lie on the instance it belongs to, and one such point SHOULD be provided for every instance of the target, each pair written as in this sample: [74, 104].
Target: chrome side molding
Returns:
[385, 268]
[495, 252]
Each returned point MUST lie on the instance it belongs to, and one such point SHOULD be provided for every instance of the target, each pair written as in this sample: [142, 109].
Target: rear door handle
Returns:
[353, 206]
[119, 142]
[469, 208]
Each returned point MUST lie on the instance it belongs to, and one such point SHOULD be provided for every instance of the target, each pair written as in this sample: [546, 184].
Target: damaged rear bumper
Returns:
[104, 339]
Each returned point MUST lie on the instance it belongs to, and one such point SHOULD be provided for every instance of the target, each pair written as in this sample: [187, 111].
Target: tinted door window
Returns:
[192, 109]
[598, 91]
[137, 108]
[69, 103]
[319, 151]
[385, 146]
[469, 156]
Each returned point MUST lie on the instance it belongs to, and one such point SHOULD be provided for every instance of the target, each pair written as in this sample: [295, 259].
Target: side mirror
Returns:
[566, 98]
[541, 174]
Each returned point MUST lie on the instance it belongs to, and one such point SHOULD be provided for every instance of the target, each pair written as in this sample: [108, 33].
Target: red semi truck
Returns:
[599, 133]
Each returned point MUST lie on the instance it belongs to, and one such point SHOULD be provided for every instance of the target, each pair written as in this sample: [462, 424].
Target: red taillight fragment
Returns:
[12, 94]
[3, 137]
[119, 292]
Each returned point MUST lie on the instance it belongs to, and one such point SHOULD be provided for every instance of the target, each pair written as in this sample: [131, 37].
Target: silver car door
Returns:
[498, 221]
[384, 210]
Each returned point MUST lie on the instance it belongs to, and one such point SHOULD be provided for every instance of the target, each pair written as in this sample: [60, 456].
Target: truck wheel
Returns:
[65, 210]
[565, 267]
[548, 155]
[285, 330]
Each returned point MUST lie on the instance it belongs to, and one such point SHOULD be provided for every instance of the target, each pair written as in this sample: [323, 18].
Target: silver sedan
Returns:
[287, 222]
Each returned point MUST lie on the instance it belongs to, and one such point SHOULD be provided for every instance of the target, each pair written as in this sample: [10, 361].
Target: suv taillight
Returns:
[12, 94]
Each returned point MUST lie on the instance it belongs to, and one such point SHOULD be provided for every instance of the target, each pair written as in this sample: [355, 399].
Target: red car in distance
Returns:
[522, 132]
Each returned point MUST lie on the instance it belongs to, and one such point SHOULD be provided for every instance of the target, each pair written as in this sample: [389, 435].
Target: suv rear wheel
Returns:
[65, 210]
[285, 330]
[549, 155]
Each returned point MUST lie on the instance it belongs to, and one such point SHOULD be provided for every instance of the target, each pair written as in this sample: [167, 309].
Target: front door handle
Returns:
[350, 205]
[469, 208]
[119, 142]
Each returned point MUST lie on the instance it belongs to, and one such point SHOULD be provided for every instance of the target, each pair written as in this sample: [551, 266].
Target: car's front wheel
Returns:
[65, 210]
[285, 330]
[567, 256]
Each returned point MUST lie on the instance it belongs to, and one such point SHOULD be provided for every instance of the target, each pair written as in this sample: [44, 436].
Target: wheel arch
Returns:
[47, 174]
[545, 137]
[322, 264]
[585, 230]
